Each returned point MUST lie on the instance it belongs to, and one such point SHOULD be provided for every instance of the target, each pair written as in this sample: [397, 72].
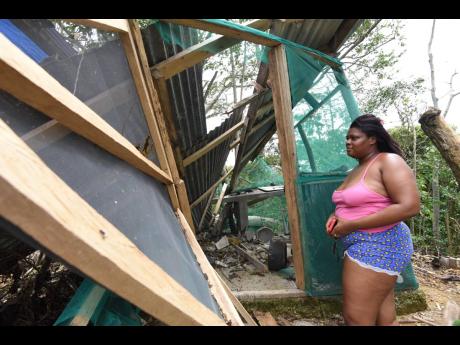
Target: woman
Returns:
[370, 205]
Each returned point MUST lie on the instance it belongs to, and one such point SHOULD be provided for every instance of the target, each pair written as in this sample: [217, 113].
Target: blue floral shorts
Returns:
[388, 251]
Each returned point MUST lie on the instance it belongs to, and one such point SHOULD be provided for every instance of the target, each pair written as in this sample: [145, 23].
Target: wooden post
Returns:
[222, 297]
[283, 113]
[158, 123]
[133, 54]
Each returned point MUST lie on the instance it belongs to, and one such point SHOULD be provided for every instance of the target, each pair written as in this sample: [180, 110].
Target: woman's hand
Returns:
[330, 223]
[343, 227]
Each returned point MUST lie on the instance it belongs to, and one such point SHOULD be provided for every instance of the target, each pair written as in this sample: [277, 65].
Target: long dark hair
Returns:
[372, 126]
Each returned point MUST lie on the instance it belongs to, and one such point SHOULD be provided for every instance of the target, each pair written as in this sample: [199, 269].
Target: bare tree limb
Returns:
[209, 85]
[452, 95]
[360, 39]
[430, 60]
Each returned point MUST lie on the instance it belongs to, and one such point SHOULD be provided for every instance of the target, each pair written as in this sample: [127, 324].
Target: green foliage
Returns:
[427, 157]
[229, 75]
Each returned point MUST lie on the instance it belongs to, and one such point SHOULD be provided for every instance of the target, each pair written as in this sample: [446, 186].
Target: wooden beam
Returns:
[27, 81]
[208, 204]
[224, 30]
[185, 203]
[199, 52]
[88, 307]
[158, 123]
[208, 147]
[221, 197]
[47, 210]
[133, 49]
[165, 105]
[236, 142]
[269, 294]
[241, 103]
[202, 196]
[116, 25]
[261, 267]
[265, 318]
[240, 35]
[283, 113]
[222, 297]
[243, 312]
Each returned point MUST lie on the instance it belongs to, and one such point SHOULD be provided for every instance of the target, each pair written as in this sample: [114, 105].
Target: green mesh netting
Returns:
[110, 310]
[323, 109]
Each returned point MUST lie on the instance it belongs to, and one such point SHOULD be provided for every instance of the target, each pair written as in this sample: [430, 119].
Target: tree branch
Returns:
[357, 42]
[430, 60]
[209, 85]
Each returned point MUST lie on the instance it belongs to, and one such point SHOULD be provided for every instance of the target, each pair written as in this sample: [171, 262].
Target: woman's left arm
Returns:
[401, 187]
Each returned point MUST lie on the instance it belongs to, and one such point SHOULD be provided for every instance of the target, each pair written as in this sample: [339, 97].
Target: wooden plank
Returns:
[243, 312]
[165, 105]
[236, 142]
[157, 122]
[222, 298]
[269, 294]
[265, 318]
[221, 197]
[46, 209]
[199, 52]
[220, 139]
[52, 130]
[210, 189]
[240, 35]
[261, 267]
[87, 308]
[224, 30]
[208, 204]
[286, 141]
[27, 81]
[116, 25]
[184, 203]
[133, 49]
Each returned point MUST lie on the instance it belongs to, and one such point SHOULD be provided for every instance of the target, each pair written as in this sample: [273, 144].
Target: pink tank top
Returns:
[359, 201]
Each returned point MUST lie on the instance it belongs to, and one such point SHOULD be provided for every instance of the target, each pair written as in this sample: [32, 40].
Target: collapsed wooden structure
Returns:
[44, 208]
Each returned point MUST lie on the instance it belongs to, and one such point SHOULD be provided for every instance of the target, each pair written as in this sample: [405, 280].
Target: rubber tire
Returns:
[277, 255]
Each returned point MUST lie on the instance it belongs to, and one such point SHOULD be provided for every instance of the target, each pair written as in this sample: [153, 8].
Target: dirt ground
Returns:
[438, 292]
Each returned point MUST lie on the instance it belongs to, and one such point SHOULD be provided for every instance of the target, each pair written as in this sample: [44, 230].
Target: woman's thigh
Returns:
[364, 290]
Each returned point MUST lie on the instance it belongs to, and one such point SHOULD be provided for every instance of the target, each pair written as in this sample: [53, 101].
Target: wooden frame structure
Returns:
[280, 88]
[80, 235]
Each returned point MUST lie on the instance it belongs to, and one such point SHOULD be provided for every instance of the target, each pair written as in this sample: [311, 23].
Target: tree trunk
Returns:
[435, 189]
[444, 138]
[233, 75]
[449, 235]
[414, 168]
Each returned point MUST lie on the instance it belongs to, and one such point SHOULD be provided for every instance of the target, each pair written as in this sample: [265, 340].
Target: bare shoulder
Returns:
[393, 161]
